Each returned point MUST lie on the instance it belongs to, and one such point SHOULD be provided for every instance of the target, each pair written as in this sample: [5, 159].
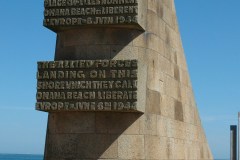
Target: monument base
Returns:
[92, 136]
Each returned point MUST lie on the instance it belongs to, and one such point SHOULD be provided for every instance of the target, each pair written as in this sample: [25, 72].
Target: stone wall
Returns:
[170, 126]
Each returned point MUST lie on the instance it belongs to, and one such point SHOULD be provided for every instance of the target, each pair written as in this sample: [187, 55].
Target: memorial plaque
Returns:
[87, 85]
[65, 14]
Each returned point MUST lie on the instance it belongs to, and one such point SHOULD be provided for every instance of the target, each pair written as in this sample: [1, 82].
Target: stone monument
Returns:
[119, 87]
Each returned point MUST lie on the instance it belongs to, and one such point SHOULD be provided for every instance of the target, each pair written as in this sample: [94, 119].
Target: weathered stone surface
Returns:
[131, 147]
[118, 123]
[82, 146]
[153, 102]
[156, 147]
[59, 123]
[168, 127]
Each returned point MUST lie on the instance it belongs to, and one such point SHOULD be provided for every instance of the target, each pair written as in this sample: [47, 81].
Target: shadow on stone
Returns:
[93, 43]
[88, 135]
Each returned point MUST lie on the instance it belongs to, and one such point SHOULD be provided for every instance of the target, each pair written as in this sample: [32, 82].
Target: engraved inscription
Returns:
[89, 12]
[87, 85]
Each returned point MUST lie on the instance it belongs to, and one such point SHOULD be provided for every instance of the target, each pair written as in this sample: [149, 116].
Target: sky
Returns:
[210, 31]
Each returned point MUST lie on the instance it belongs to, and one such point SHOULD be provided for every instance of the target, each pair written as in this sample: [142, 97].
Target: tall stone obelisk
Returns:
[119, 87]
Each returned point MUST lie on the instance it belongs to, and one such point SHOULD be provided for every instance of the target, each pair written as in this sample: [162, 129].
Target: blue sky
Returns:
[210, 32]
